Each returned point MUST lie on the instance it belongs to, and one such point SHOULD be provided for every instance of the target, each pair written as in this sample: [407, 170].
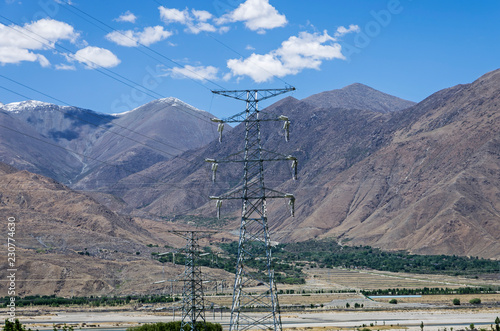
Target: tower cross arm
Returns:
[242, 117]
[257, 94]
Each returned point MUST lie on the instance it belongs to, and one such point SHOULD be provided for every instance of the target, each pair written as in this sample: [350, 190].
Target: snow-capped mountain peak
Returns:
[170, 101]
[24, 105]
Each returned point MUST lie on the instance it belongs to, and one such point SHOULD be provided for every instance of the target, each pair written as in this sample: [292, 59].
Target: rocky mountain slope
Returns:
[69, 244]
[373, 169]
[434, 187]
[422, 179]
[23, 147]
[358, 96]
[97, 149]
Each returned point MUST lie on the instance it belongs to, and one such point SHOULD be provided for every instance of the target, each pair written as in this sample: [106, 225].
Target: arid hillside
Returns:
[68, 244]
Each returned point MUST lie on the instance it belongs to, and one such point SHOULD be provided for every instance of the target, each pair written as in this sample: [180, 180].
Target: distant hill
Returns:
[156, 131]
[90, 150]
[358, 96]
[70, 245]
[22, 146]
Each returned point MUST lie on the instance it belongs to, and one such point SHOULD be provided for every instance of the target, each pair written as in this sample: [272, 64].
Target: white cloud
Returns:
[14, 55]
[126, 17]
[258, 15]
[341, 30]
[148, 36]
[193, 72]
[223, 29]
[201, 15]
[172, 15]
[94, 57]
[196, 21]
[64, 66]
[17, 43]
[305, 51]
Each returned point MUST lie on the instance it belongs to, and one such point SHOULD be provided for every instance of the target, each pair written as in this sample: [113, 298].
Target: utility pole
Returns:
[193, 306]
[251, 287]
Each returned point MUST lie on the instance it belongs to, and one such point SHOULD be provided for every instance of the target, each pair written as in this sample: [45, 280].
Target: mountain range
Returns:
[373, 170]
[90, 150]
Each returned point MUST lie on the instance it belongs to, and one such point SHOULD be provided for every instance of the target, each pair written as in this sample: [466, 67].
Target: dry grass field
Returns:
[320, 282]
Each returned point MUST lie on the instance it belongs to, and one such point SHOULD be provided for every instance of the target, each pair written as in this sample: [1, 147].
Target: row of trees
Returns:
[54, 301]
[328, 253]
[431, 290]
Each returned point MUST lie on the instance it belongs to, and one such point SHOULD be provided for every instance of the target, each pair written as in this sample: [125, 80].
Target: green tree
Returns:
[14, 326]
[422, 325]
[456, 302]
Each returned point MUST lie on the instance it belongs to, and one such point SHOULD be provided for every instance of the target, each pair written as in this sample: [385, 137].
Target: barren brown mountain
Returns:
[68, 244]
[423, 179]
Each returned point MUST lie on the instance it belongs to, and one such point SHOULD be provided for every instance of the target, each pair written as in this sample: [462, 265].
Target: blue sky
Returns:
[67, 49]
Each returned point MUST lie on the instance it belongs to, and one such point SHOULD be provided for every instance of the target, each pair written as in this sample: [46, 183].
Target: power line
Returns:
[254, 229]
[104, 70]
[94, 159]
[139, 43]
[235, 51]
[96, 125]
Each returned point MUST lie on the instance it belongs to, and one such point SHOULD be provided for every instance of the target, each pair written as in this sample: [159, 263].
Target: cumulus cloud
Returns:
[126, 17]
[18, 43]
[341, 30]
[305, 51]
[148, 36]
[201, 73]
[258, 15]
[196, 21]
[94, 57]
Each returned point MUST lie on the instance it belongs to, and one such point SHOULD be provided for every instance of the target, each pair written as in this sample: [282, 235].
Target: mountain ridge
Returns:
[361, 171]
[358, 96]
[421, 178]
[100, 142]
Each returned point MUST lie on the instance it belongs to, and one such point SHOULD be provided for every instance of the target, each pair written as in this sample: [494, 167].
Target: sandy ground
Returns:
[434, 319]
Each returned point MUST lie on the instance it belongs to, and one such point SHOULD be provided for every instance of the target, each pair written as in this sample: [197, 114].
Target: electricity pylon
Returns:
[193, 306]
[251, 287]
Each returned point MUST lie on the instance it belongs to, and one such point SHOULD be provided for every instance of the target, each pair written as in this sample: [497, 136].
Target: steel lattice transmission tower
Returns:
[193, 306]
[251, 287]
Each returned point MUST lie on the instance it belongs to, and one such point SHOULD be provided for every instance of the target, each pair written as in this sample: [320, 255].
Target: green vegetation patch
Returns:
[53, 301]
[328, 253]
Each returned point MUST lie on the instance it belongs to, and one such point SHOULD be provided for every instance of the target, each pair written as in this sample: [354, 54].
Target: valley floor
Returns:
[396, 319]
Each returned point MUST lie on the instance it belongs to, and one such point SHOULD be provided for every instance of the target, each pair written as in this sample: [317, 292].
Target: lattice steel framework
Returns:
[193, 305]
[252, 288]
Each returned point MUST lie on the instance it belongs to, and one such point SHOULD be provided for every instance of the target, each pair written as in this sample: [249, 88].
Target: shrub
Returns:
[393, 301]
[475, 301]
[456, 302]
[14, 326]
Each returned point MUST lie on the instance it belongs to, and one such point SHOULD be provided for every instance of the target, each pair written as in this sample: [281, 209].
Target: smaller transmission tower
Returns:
[193, 306]
[254, 285]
